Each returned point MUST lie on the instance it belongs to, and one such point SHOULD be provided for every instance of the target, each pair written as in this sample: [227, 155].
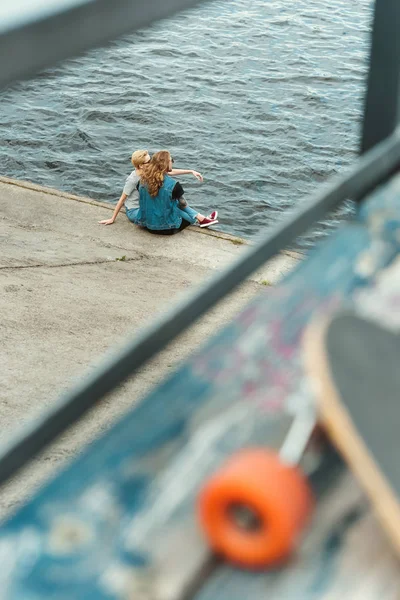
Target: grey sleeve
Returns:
[130, 184]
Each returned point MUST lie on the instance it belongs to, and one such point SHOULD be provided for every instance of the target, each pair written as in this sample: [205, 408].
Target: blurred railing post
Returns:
[381, 115]
[33, 38]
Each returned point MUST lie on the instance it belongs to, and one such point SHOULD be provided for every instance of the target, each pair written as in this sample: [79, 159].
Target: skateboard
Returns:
[353, 365]
[139, 513]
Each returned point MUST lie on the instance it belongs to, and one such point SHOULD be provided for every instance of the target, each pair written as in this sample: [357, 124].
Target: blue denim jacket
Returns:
[160, 212]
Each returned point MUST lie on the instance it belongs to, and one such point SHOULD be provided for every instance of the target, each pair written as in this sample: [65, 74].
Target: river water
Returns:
[264, 98]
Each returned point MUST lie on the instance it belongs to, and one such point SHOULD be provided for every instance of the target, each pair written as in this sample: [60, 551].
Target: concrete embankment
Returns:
[71, 289]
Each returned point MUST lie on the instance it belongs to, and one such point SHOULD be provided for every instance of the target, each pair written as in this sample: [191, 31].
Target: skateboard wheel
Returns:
[253, 510]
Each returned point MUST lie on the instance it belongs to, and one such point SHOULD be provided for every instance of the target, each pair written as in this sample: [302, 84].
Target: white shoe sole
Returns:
[209, 224]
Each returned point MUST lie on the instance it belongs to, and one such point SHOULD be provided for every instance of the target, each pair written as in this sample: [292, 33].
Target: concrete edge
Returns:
[234, 239]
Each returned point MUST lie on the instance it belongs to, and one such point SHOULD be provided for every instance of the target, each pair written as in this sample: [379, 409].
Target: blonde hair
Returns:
[138, 158]
[153, 177]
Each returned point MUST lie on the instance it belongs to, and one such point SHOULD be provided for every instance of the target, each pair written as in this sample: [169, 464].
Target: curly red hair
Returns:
[153, 175]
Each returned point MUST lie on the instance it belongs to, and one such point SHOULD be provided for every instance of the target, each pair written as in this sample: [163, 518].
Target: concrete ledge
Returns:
[54, 192]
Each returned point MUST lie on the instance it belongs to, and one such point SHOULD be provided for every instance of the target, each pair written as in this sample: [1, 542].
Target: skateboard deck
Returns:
[354, 364]
[120, 520]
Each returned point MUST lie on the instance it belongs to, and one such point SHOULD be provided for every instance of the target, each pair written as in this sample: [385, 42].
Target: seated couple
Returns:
[154, 200]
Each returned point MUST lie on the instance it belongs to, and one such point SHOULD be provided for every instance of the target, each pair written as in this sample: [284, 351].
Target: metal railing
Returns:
[380, 157]
[381, 112]
[31, 39]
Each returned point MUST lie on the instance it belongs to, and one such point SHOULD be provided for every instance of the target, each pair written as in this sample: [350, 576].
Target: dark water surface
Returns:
[265, 98]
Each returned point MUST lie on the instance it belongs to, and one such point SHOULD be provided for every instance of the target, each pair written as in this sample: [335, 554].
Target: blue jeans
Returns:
[188, 214]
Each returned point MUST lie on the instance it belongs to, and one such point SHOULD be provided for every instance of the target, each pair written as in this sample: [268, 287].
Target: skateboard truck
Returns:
[298, 438]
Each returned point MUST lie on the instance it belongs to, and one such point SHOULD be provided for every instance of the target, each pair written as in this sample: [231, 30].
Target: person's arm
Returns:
[182, 202]
[177, 194]
[196, 174]
[116, 210]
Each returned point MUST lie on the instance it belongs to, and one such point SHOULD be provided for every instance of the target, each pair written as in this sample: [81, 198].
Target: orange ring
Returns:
[278, 494]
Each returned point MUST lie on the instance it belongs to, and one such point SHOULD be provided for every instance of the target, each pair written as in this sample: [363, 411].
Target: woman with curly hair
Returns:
[130, 193]
[162, 206]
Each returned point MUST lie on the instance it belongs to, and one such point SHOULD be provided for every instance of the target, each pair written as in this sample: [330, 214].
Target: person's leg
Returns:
[188, 214]
[191, 215]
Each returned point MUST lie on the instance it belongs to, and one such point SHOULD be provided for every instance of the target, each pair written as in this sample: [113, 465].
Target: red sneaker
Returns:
[213, 216]
[207, 222]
